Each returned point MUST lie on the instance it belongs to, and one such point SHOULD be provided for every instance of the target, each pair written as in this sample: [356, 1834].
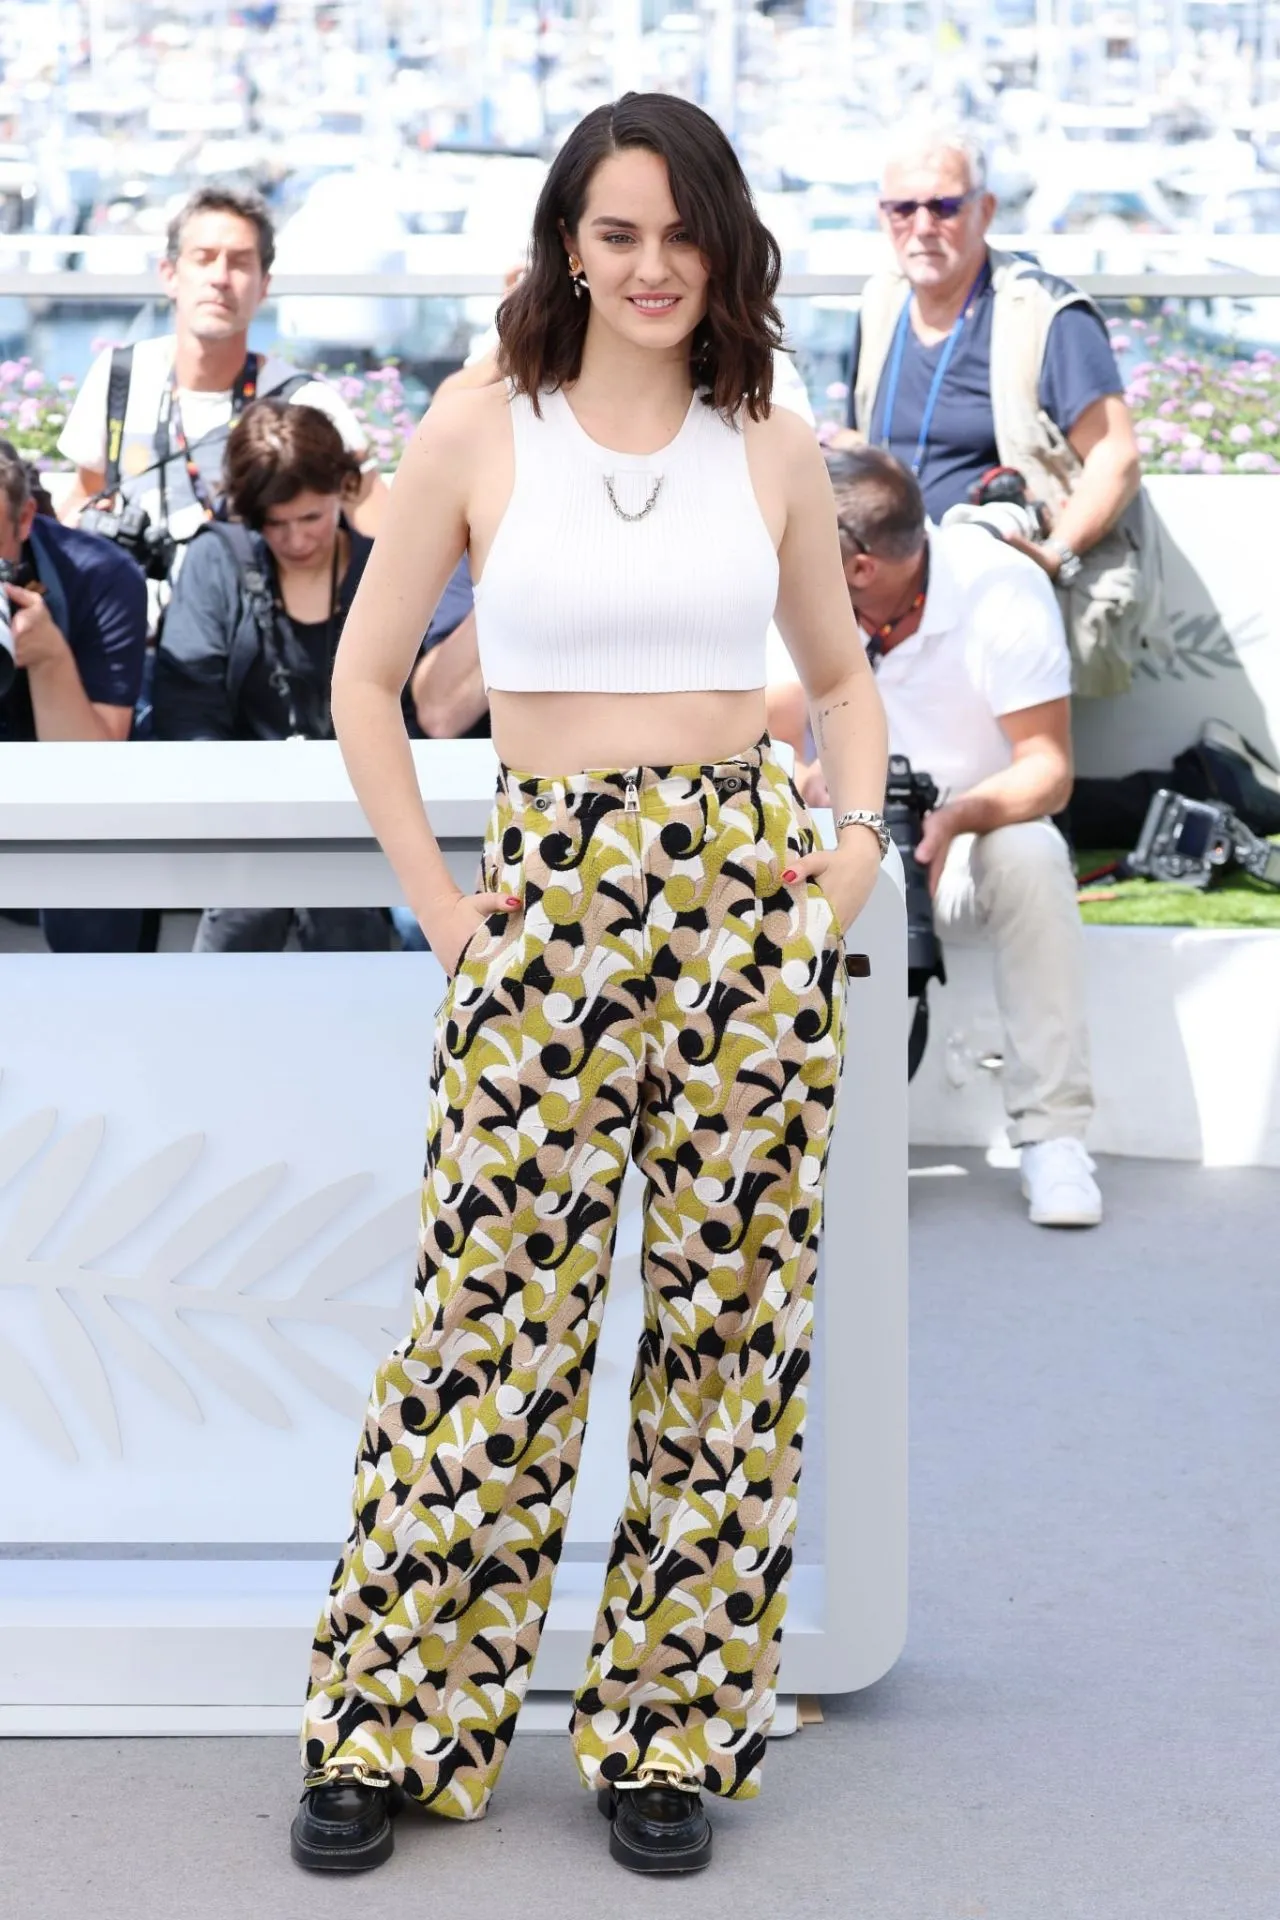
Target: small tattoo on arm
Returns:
[822, 715]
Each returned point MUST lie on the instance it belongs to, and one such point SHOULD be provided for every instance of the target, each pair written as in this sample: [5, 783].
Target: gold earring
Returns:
[577, 275]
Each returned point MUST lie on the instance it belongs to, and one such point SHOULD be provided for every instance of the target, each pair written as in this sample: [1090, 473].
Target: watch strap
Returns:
[1069, 561]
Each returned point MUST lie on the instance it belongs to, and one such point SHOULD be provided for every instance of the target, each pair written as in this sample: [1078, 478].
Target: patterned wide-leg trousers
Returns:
[662, 992]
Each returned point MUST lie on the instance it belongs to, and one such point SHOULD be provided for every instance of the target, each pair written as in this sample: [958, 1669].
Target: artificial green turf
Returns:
[1237, 901]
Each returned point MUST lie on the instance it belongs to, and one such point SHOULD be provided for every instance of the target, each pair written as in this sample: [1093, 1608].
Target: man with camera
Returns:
[972, 666]
[149, 426]
[995, 382]
[73, 629]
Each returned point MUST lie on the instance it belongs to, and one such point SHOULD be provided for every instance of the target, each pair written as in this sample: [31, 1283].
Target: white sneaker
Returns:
[1057, 1179]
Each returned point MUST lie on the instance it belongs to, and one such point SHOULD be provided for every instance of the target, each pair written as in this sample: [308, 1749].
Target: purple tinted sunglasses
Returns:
[944, 206]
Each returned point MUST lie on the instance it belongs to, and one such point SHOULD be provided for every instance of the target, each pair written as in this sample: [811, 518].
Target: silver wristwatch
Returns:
[863, 817]
[1069, 561]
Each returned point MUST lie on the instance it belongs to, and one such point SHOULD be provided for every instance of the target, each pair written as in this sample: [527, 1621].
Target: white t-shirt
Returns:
[990, 642]
[83, 440]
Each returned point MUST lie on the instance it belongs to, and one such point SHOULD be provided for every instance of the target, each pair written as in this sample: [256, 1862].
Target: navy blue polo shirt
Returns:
[97, 596]
[1079, 368]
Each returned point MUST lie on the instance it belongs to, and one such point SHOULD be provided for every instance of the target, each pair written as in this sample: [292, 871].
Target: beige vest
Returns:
[1114, 609]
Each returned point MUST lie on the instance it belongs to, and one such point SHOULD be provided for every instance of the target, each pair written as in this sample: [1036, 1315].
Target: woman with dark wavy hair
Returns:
[651, 967]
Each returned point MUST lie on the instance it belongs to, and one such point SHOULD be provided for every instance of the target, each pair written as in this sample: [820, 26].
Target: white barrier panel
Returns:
[209, 1172]
[1185, 1031]
[1218, 537]
[1185, 1024]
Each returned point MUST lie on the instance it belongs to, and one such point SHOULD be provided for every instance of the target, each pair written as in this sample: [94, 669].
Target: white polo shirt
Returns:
[990, 642]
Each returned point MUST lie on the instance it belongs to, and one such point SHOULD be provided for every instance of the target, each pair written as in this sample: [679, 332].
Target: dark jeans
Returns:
[92, 930]
[319, 929]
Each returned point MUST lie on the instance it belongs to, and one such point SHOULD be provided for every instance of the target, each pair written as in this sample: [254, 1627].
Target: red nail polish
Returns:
[790, 874]
[512, 901]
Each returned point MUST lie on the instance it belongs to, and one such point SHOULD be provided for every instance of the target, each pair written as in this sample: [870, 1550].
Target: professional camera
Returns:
[1188, 842]
[8, 666]
[909, 796]
[129, 527]
[998, 501]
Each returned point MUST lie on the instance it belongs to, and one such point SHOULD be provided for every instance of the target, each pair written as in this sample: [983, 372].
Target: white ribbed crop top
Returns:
[573, 598]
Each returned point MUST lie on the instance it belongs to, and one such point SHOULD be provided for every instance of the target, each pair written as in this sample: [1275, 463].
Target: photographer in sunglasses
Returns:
[941, 208]
[967, 358]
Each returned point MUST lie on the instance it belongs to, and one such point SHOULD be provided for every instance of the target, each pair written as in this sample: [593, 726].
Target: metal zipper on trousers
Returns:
[633, 797]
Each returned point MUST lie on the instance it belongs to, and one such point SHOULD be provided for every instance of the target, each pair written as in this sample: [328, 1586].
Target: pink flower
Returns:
[33, 382]
[1201, 410]
[1121, 342]
[1241, 435]
[1211, 463]
[1267, 427]
[838, 390]
[1191, 461]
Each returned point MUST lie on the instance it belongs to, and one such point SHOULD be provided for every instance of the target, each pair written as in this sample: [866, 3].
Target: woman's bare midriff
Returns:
[553, 733]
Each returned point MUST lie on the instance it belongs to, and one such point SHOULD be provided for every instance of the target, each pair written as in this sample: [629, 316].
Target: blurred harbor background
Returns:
[403, 139]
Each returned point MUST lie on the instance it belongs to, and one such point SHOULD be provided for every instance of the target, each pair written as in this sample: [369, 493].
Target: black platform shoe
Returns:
[656, 1823]
[344, 1822]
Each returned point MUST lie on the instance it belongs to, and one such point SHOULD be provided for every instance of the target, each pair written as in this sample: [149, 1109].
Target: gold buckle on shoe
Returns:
[658, 1773]
[351, 1772]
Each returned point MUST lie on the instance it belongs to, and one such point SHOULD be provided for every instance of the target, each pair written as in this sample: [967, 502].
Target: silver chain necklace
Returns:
[648, 506]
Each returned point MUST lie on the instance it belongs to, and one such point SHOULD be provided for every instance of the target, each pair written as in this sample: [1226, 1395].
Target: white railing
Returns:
[1230, 283]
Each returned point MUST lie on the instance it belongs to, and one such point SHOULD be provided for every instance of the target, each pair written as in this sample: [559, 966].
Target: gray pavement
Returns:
[1083, 1726]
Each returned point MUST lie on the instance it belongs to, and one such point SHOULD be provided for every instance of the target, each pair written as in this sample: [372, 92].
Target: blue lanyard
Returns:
[939, 373]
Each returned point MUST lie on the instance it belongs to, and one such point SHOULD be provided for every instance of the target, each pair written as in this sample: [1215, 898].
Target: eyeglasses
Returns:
[944, 206]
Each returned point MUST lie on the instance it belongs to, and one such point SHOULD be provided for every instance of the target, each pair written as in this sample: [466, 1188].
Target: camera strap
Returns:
[119, 381]
[270, 617]
[918, 1038]
[171, 438]
[939, 372]
[1259, 858]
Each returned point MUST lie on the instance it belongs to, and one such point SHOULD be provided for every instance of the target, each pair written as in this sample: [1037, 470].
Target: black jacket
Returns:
[211, 680]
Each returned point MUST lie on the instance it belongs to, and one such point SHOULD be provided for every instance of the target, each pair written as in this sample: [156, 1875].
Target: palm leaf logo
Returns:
[149, 1320]
[1200, 646]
